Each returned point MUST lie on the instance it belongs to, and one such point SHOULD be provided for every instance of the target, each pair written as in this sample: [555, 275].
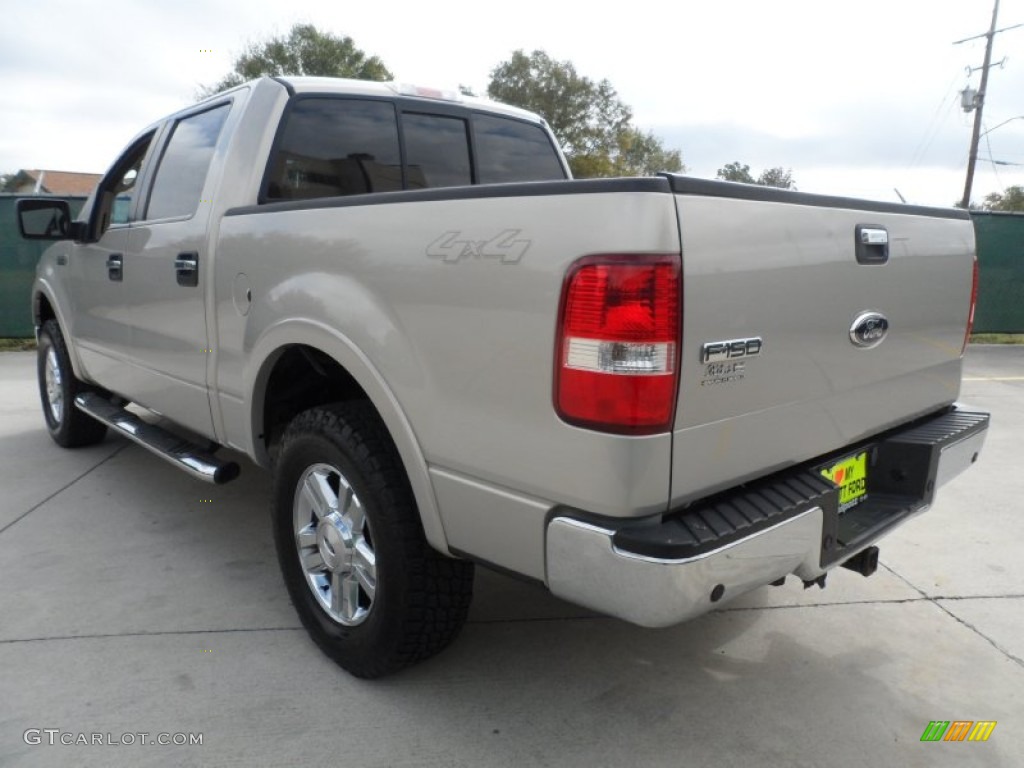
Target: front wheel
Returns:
[67, 425]
[369, 589]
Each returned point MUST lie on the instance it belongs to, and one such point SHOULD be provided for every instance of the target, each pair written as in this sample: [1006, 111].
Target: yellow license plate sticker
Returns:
[851, 475]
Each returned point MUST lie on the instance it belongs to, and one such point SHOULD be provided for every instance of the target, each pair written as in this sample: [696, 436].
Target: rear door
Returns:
[808, 323]
[164, 278]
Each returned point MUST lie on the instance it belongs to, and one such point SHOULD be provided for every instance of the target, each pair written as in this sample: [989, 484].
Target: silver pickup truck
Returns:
[650, 395]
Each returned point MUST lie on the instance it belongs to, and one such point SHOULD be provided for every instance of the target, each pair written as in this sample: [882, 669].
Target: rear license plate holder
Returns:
[850, 473]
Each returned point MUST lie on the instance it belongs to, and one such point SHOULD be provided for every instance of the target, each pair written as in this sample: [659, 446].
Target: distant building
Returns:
[44, 182]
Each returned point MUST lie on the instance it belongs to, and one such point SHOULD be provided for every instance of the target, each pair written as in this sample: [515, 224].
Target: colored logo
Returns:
[958, 730]
[851, 475]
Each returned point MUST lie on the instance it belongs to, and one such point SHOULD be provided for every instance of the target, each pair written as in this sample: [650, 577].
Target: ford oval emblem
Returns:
[869, 329]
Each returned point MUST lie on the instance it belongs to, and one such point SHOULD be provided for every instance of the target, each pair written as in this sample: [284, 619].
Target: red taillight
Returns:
[616, 361]
[974, 304]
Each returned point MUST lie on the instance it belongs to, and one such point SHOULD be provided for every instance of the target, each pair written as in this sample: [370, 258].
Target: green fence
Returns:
[18, 269]
[1000, 272]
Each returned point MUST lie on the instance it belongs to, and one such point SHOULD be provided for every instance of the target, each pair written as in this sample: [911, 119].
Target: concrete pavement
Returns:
[135, 599]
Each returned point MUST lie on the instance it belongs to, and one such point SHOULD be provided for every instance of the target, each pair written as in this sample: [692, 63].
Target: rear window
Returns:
[511, 150]
[332, 147]
[437, 150]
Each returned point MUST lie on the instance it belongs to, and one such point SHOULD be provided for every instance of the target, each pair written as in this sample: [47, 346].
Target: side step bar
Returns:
[178, 451]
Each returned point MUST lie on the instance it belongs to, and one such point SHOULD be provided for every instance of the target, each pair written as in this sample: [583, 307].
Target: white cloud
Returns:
[840, 92]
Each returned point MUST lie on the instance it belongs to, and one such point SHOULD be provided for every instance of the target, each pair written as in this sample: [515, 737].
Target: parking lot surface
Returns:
[136, 600]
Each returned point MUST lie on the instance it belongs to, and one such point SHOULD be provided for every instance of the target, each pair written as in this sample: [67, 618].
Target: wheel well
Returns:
[44, 311]
[303, 377]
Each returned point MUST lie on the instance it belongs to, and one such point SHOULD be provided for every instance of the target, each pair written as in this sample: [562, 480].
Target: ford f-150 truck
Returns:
[650, 395]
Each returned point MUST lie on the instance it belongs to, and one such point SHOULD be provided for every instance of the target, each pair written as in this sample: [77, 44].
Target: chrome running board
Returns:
[178, 451]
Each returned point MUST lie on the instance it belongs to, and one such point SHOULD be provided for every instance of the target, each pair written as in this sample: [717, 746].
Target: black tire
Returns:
[420, 598]
[67, 425]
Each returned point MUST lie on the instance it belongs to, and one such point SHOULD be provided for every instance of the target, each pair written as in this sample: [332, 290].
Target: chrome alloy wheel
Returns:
[54, 386]
[335, 544]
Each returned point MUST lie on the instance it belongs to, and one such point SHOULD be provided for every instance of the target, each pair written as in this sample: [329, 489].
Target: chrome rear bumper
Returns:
[587, 564]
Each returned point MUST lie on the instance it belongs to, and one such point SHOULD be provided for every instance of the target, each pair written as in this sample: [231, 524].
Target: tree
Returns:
[304, 51]
[770, 177]
[736, 172]
[6, 179]
[590, 121]
[1010, 199]
[642, 154]
[777, 177]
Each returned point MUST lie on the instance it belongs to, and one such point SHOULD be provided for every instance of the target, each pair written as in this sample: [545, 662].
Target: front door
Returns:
[96, 271]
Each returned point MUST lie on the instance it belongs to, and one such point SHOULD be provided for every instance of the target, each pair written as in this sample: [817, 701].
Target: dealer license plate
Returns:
[851, 475]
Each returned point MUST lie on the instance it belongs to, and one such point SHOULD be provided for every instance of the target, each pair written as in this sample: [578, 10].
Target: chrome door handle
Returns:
[186, 268]
[115, 267]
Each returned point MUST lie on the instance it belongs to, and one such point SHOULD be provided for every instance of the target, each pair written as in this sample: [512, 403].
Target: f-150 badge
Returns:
[724, 360]
[732, 349]
[452, 247]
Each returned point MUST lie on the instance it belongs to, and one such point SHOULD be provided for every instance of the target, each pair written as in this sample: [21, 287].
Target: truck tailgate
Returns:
[779, 272]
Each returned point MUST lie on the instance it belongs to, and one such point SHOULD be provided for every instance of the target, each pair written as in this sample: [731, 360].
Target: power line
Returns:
[992, 162]
[935, 126]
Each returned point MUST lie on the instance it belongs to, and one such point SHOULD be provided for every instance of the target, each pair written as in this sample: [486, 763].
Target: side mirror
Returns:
[44, 219]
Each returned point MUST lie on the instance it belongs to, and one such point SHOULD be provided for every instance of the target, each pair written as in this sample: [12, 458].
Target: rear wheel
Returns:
[67, 425]
[369, 589]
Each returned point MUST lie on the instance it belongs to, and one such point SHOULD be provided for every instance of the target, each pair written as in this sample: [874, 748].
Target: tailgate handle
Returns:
[186, 267]
[872, 244]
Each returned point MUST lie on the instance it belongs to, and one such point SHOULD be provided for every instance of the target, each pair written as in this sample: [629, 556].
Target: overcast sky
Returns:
[857, 98]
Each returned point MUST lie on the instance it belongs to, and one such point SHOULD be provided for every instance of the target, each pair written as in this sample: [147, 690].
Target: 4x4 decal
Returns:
[453, 246]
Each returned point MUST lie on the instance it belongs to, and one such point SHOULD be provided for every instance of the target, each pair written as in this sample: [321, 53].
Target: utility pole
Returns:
[972, 158]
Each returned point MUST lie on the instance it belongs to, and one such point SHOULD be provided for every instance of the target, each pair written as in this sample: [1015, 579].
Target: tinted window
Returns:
[437, 151]
[182, 172]
[334, 147]
[511, 150]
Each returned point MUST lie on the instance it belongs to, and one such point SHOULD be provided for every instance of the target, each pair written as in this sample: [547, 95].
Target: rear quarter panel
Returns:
[460, 339]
